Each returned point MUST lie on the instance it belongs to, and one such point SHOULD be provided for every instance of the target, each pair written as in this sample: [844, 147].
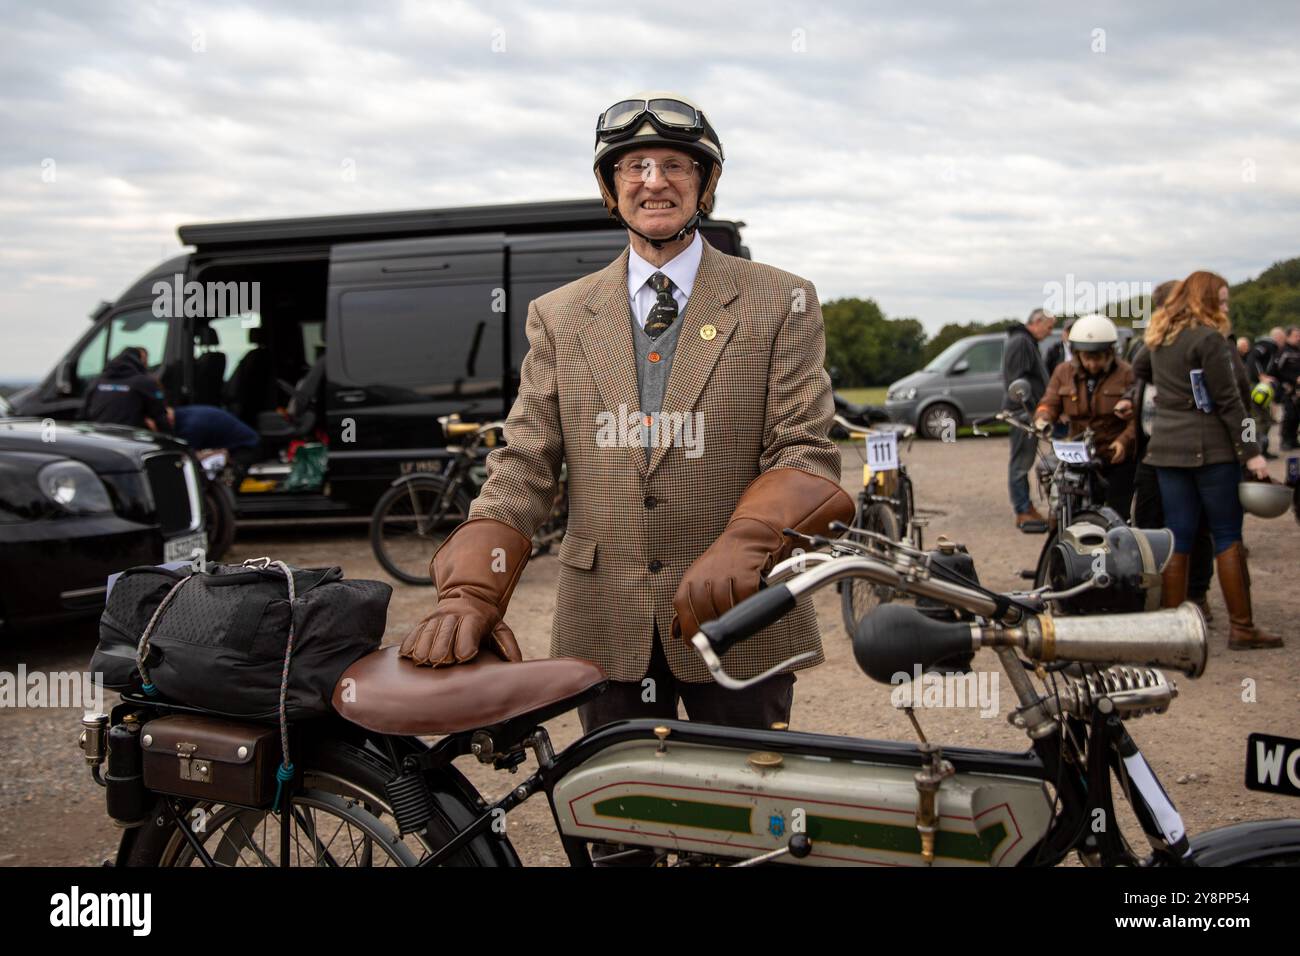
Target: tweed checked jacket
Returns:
[754, 379]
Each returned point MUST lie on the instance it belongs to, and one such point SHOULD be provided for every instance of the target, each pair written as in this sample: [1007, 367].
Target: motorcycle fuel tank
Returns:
[738, 803]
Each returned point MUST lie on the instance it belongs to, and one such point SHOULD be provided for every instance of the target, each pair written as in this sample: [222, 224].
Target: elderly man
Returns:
[1022, 359]
[664, 533]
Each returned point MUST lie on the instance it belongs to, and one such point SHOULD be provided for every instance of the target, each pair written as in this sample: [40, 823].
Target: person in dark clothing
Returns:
[1060, 351]
[1285, 371]
[206, 426]
[1021, 359]
[1149, 512]
[1202, 441]
[126, 394]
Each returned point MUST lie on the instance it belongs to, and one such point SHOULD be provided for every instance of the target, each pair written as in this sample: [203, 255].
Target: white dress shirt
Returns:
[680, 269]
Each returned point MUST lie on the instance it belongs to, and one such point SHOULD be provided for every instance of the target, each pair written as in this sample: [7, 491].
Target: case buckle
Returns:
[194, 769]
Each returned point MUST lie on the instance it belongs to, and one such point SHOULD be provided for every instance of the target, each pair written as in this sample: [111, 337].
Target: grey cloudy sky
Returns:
[947, 159]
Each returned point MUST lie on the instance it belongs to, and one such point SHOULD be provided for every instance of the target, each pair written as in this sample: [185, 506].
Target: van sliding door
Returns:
[415, 328]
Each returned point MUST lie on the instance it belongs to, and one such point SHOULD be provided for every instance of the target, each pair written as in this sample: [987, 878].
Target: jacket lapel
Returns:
[695, 356]
[607, 344]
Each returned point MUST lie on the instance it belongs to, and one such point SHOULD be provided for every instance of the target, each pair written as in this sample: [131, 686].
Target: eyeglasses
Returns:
[640, 170]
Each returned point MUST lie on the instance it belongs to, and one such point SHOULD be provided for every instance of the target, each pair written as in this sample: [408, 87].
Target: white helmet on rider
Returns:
[1093, 333]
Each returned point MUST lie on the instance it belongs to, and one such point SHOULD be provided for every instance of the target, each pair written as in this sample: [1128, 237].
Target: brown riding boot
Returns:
[1173, 580]
[1235, 581]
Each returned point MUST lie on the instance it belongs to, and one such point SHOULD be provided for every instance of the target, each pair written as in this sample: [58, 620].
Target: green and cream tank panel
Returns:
[717, 800]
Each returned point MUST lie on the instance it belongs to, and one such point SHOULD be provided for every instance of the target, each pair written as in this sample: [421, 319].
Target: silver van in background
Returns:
[961, 383]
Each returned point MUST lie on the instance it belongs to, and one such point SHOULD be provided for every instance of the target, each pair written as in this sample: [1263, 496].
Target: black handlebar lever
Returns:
[748, 618]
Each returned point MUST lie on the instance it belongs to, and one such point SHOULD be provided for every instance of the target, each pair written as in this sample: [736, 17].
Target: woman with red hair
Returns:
[1202, 437]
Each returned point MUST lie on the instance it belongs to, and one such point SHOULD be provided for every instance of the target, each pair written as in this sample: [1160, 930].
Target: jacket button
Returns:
[651, 501]
[656, 566]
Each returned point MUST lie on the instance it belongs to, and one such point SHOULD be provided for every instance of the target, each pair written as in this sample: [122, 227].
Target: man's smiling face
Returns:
[656, 205]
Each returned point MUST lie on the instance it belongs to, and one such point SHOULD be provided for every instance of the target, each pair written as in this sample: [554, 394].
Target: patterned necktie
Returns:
[664, 312]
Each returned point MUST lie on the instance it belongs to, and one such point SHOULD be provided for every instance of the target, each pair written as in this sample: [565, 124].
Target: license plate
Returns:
[184, 548]
[1273, 764]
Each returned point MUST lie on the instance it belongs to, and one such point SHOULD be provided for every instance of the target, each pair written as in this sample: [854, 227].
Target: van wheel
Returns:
[934, 423]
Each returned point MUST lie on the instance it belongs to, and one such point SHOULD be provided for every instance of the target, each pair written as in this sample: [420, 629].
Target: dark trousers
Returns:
[758, 707]
[1024, 449]
[1290, 420]
[1149, 512]
[1212, 489]
[1117, 482]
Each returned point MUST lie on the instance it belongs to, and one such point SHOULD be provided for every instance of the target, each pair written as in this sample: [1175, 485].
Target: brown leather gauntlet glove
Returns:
[729, 571]
[474, 583]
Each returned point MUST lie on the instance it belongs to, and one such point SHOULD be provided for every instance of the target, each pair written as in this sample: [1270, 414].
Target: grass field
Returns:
[864, 396]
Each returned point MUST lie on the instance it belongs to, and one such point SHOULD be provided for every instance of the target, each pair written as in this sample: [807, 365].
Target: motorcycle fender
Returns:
[1240, 844]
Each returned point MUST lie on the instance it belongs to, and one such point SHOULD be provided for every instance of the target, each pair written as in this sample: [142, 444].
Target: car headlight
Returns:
[902, 394]
[74, 488]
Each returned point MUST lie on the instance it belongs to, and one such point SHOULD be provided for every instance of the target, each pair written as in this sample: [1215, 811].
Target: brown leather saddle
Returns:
[390, 695]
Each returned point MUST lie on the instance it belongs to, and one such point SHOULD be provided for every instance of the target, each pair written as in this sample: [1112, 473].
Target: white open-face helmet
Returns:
[657, 119]
[1093, 333]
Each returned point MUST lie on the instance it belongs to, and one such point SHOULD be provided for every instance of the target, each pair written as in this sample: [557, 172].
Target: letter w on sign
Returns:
[1273, 764]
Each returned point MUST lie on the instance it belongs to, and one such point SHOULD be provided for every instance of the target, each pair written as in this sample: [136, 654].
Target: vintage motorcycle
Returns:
[370, 792]
[1078, 522]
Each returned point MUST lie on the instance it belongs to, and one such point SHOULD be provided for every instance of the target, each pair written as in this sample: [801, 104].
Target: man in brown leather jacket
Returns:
[1085, 390]
[717, 363]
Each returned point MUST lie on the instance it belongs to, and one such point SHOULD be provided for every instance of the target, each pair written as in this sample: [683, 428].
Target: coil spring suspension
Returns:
[1135, 691]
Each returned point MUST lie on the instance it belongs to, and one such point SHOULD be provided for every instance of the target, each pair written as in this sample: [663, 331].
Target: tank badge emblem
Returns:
[776, 824]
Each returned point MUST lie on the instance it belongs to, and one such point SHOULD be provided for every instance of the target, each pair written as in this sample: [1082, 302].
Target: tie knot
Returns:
[660, 282]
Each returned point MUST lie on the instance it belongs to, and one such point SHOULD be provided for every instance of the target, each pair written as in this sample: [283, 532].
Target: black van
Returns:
[357, 331]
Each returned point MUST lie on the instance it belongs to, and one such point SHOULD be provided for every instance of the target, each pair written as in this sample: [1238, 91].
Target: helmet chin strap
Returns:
[682, 233]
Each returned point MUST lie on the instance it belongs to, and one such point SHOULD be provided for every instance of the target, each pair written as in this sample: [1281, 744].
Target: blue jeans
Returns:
[1023, 451]
[1185, 491]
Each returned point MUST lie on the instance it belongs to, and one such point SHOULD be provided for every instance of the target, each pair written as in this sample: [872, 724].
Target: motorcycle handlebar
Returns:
[1173, 638]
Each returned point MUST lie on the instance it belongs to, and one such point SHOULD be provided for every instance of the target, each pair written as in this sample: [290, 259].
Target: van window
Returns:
[985, 357]
[140, 327]
[90, 363]
[420, 335]
[232, 339]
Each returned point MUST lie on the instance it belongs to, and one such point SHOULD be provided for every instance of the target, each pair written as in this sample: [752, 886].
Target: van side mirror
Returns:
[960, 368]
[64, 378]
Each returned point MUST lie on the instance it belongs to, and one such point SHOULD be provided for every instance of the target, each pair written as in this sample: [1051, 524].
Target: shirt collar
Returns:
[681, 269]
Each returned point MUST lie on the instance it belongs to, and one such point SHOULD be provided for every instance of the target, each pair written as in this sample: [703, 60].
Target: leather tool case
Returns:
[223, 761]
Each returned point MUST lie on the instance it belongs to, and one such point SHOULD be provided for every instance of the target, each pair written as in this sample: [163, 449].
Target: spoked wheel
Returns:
[859, 597]
[406, 527]
[341, 818]
[327, 831]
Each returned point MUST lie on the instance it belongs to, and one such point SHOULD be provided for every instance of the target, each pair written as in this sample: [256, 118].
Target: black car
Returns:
[79, 502]
[350, 333]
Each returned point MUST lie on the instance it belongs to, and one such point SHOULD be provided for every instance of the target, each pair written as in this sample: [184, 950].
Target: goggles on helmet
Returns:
[671, 118]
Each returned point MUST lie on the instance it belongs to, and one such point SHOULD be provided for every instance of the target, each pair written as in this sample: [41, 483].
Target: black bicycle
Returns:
[414, 516]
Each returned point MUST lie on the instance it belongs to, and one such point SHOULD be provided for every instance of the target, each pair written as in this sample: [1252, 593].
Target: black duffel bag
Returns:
[218, 639]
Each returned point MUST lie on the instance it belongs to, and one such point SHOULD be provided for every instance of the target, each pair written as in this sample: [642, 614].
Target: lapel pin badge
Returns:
[707, 332]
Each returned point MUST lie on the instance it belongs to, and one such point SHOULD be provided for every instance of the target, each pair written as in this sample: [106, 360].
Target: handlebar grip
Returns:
[748, 617]
[461, 428]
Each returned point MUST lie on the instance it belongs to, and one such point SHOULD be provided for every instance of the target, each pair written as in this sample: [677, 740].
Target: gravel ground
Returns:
[51, 813]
